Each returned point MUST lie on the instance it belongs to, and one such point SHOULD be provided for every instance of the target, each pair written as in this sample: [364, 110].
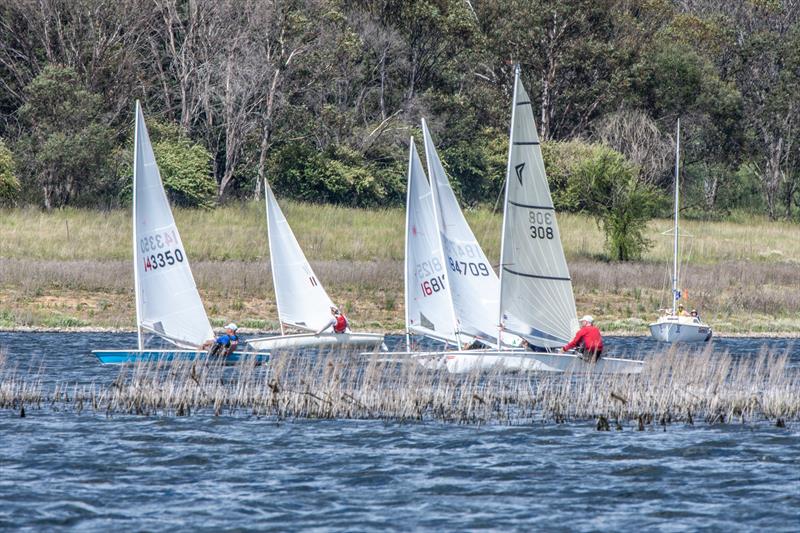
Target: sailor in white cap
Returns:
[588, 340]
[225, 344]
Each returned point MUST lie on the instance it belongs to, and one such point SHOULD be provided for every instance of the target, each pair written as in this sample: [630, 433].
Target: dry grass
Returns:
[328, 233]
[71, 268]
[735, 297]
[675, 386]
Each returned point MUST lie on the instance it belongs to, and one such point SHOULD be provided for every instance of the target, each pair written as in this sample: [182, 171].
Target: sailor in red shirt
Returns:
[588, 340]
[338, 322]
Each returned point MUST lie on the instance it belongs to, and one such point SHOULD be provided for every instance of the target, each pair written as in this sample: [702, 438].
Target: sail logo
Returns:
[519, 168]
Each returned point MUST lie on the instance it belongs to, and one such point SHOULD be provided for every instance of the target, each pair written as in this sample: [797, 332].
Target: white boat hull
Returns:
[524, 361]
[680, 329]
[356, 341]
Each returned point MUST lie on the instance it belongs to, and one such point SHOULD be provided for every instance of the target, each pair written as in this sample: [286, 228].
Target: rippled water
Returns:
[217, 473]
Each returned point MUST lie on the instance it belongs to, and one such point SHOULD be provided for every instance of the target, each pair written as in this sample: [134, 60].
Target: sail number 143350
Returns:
[160, 250]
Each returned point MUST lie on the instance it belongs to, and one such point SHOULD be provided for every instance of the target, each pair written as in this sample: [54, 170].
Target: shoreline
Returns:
[251, 331]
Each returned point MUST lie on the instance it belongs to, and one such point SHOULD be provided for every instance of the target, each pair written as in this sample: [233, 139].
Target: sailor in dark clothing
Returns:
[225, 344]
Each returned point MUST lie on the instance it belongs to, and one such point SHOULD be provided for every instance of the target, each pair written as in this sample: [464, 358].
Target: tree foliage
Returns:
[599, 180]
[321, 96]
[9, 184]
[65, 144]
[184, 166]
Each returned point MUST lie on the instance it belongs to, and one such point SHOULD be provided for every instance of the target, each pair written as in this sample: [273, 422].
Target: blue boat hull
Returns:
[117, 357]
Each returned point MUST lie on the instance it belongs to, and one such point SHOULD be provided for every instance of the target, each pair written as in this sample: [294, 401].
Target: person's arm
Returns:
[574, 342]
[330, 323]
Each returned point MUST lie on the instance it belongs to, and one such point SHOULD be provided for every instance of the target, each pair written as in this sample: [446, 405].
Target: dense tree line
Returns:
[321, 96]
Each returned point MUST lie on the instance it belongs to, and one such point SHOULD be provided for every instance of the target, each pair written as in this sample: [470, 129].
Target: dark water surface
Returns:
[92, 473]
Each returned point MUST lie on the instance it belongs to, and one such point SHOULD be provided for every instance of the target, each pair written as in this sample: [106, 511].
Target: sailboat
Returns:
[300, 297]
[675, 326]
[533, 298]
[474, 288]
[168, 304]
[429, 309]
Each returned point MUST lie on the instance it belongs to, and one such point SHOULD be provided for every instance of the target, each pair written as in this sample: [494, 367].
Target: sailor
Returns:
[588, 340]
[338, 322]
[225, 344]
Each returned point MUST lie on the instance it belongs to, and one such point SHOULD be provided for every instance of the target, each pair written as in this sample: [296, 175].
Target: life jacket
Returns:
[341, 324]
[233, 342]
[226, 348]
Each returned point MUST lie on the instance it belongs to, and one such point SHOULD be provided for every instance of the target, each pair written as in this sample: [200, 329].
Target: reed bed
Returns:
[675, 386]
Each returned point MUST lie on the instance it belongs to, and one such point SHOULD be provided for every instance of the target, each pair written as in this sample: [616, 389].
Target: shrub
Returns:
[9, 184]
[600, 181]
[185, 167]
[338, 175]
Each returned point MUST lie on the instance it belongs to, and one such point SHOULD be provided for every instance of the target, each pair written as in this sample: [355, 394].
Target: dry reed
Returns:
[675, 386]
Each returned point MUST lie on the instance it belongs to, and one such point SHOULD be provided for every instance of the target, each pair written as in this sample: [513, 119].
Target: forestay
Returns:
[536, 299]
[302, 301]
[474, 286]
[429, 310]
[167, 301]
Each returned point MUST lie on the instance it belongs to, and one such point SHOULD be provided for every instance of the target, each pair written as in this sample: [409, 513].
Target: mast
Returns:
[505, 205]
[676, 228]
[434, 196]
[136, 258]
[405, 269]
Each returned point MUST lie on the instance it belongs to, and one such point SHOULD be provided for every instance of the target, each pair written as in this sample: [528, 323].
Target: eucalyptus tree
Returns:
[768, 74]
[65, 144]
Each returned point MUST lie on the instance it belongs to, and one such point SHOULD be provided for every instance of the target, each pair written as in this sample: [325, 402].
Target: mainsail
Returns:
[429, 310]
[536, 299]
[167, 301]
[302, 301]
[474, 286]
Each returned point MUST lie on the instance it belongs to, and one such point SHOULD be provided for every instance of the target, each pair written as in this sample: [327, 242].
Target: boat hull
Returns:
[356, 341]
[676, 329]
[118, 357]
[523, 361]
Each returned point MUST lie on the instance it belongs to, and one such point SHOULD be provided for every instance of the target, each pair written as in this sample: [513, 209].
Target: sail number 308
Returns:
[541, 225]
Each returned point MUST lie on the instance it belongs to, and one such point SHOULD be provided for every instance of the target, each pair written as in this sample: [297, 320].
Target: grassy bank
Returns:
[71, 268]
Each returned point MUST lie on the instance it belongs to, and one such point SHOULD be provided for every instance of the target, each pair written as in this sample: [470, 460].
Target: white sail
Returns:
[474, 286]
[302, 301]
[536, 299]
[429, 310]
[167, 301]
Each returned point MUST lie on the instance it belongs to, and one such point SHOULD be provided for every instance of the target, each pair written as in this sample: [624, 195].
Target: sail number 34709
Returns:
[541, 225]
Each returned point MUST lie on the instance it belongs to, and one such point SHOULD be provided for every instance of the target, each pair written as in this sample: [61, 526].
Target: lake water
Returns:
[93, 473]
